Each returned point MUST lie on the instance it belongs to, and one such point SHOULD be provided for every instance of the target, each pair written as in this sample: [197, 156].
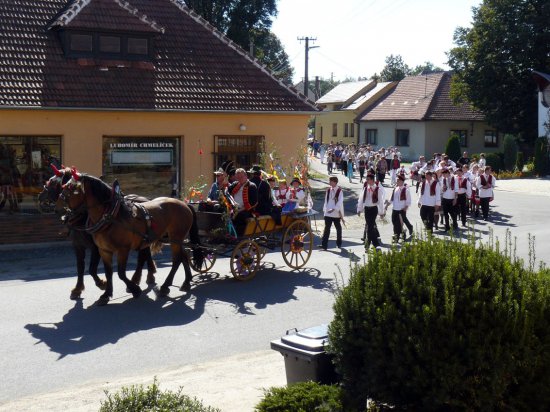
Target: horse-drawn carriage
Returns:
[293, 236]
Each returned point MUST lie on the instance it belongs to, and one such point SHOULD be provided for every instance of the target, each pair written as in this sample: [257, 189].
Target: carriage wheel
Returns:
[207, 263]
[245, 260]
[297, 244]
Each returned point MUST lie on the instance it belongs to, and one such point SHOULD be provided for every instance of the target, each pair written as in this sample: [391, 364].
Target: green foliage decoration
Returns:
[136, 398]
[494, 160]
[510, 152]
[541, 163]
[445, 325]
[452, 149]
[520, 161]
[301, 397]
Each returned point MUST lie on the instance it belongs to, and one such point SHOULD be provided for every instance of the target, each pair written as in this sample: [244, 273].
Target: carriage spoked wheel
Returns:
[297, 244]
[245, 260]
[207, 263]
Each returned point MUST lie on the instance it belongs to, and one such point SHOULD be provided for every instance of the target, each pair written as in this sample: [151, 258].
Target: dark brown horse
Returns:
[81, 240]
[118, 228]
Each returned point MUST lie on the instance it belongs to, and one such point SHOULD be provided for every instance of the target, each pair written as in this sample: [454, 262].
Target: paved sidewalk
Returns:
[233, 384]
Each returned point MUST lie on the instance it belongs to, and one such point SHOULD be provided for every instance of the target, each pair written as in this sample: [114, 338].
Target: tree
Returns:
[248, 22]
[395, 69]
[510, 151]
[426, 68]
[493, 61]
[452, 149]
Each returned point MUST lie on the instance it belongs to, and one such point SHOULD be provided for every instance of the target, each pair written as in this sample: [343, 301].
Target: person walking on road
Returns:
[429, 201]
[333, 209]
[400, 200]
[371, 201]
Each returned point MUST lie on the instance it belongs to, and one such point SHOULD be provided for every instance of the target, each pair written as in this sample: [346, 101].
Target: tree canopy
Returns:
[493, 62]
[395, 69]
[427, 67]
[248, 22]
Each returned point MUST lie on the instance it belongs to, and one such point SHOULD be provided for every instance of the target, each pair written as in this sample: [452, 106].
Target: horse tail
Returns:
[198, 255]
[156, 247]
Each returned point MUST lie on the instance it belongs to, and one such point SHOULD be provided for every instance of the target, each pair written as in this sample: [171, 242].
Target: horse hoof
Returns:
[136, 293]
[101, 284]
[151, 280]
[164, 291]
[186, 287]
[75, 295]
[102, 301]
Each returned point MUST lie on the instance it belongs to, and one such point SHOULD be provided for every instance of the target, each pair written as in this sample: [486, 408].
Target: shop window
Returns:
[147, 166]
[462, 135]
[372, 136]
[24, 168]
[244, 151]
[402, 137]
[491, 138]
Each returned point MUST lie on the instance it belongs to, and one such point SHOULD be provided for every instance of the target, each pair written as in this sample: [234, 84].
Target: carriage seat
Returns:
[265, 223]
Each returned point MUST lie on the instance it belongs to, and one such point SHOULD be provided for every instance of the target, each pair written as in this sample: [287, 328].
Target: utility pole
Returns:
[308, 47]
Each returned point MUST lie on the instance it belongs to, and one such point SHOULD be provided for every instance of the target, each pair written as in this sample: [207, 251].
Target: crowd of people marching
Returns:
[447, 191]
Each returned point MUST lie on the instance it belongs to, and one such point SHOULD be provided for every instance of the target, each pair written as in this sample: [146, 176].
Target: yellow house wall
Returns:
[82, 133]
[326, 119]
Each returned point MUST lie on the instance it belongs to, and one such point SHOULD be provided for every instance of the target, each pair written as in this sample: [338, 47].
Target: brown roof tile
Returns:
[195, 67]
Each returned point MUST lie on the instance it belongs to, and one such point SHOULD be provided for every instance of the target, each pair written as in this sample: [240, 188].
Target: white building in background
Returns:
[543, 81]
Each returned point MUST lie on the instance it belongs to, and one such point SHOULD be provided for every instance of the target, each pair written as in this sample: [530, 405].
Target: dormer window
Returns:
[118, 46]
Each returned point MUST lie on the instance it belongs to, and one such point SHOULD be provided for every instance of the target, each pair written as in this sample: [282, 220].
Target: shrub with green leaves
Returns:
[136, 398]
[444, 325]
[301, 397]
[452, 149]
[494, 160]
[541, 162]
[520, 162]
[510, 152]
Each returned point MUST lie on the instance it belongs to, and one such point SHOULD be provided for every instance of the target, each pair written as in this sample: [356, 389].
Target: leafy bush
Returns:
[452, 149]
[541, 156]
[302, 397]
[139, 399]
[444, 325]
[494, 160]
[510, 152]
[520, 162]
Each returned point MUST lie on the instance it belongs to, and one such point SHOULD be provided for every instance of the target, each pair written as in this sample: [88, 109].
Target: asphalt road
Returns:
[52, 343]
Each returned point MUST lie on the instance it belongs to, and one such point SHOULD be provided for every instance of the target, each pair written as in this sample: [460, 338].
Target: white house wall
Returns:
[544, 118]
[386, 136]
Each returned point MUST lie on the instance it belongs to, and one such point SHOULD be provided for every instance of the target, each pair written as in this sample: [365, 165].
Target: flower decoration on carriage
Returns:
[195, 193]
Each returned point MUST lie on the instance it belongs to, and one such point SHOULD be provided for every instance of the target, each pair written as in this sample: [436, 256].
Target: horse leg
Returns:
[176, 260]
[122, 259]
[80, 254]
[151, 267]
[107, 258]
[92, 268]
[136, 278]
[186, 285]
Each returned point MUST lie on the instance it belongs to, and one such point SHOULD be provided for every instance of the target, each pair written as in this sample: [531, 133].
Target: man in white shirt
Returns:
[430, 200]
[464, 193]
[449, 195]
[371, 201]
[334, 212]
[485, 184]
[400, 200]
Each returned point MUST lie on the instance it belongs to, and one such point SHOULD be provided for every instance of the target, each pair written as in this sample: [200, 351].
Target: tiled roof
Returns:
[367, 96]
[409, 100]
[442, 107]
[343, 92]
[425, 97]
[195, 67]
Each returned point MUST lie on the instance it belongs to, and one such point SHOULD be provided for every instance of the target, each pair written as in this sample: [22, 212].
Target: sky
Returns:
[356, 36]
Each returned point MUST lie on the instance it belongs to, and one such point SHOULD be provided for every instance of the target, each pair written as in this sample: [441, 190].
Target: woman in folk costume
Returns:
[351, 161]
[281, 192]
[400, 200]
[439, 211]
[333, 209]
[371, 201]
[485, 184]
[381, 169]
[430, 200]
[394, 169]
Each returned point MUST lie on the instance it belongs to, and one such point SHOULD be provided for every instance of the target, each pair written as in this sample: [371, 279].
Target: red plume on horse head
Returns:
[74, 172]
[56, 170]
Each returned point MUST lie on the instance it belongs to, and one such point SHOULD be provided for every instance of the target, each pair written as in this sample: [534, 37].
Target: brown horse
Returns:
[82, 240]
[118, 228]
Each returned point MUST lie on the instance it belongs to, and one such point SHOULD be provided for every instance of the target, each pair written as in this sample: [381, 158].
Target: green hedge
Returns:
[302, 397]
[136, 398]
[444, 325]
[452, 149]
